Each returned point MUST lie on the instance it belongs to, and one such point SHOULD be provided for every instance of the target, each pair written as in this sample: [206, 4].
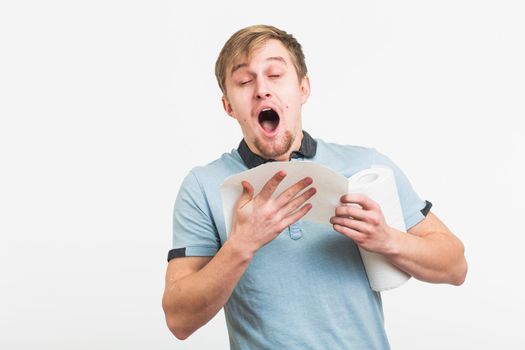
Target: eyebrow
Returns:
[242, 65]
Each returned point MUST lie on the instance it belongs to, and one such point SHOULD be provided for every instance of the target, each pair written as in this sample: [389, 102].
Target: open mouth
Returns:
[269, 120]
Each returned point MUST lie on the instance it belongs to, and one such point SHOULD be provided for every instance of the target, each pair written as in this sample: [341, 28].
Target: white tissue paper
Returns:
[378, 183]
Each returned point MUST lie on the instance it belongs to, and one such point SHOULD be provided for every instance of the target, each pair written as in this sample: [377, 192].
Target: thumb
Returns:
[247, 194]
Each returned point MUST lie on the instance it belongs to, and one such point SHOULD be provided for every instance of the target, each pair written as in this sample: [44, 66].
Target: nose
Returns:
[262, 92]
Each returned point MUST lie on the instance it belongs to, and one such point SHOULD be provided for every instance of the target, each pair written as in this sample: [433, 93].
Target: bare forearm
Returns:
[190, 302]
[437, 257]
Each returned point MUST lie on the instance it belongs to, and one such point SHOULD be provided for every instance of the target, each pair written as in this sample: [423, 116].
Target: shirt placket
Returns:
[295, 230]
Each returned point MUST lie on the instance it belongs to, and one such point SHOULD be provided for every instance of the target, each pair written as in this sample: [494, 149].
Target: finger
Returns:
[356, 236]
[370, 216]
[361, 199]
[356, 225]
[272, 184]
[298, 201]
[352, 210]
[293, 190]
[246, 195]
[296, 216]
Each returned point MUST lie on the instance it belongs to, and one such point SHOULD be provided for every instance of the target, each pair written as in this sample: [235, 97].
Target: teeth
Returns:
[266, 109]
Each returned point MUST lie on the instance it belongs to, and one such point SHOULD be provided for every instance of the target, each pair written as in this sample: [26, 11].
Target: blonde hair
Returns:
[247, 40]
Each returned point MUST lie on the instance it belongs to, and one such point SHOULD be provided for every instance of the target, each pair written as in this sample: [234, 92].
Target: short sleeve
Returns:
[194, 231]
[414, 208]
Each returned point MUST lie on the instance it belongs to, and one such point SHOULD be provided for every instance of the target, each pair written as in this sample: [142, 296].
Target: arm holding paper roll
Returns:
[429, 252]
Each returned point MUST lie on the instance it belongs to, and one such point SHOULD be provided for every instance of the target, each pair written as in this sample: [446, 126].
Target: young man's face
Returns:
[265, 96]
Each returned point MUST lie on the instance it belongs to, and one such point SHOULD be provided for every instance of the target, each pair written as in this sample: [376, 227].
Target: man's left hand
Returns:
[364, 223]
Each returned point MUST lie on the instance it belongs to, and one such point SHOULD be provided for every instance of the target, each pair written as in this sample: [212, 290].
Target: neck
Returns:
[296, 145]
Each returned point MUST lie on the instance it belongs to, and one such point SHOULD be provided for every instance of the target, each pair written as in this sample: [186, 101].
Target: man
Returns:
[286, 283]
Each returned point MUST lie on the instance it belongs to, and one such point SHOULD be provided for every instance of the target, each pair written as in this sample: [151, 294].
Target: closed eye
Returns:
[275, 76]
[245, 82]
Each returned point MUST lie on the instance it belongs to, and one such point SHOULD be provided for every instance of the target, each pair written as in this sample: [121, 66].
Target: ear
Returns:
[305, 89]
[227, 106]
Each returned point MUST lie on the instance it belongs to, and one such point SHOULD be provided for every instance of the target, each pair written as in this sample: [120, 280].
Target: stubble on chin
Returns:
[273, 151]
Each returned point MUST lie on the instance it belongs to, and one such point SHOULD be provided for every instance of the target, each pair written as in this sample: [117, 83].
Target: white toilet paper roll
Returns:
[378, 183]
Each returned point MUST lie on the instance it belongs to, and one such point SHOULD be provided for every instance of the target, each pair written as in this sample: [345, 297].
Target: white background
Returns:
[106, 105]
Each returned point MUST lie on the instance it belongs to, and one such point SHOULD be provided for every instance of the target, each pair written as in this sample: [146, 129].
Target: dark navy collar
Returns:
[307, 150]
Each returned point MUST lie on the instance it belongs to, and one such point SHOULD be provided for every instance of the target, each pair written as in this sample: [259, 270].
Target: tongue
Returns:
[269, 125]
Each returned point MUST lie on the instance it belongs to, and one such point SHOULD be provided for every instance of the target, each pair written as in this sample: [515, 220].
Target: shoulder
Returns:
[328, 152]
[201, 186]
[344, 149]
[217, 170]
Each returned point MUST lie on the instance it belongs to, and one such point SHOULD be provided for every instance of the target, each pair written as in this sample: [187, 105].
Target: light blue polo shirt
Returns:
[307, 289]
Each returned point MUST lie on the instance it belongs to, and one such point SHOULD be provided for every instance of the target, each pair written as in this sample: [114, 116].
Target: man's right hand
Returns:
[198, 287]
[259, 219]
